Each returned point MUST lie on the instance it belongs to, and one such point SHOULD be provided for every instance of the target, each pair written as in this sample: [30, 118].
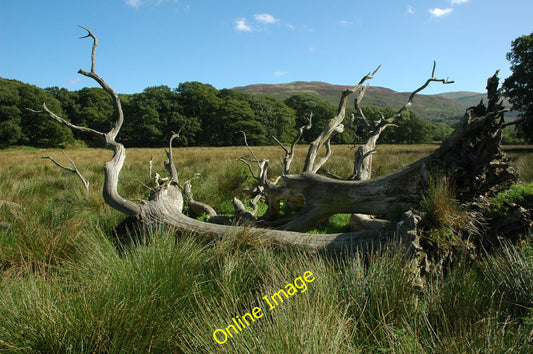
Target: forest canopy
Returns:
[206, 116]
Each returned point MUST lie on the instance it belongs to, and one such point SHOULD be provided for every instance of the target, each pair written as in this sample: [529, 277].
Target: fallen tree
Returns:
[471, 158]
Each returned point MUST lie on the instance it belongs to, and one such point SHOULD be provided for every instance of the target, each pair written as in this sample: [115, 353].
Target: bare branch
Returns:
[248, 146]
[360, 113]
[242, 215]
[363, 156]
[144, 185]
[327, 145]
[197, 208]
[261, 164]
[333, 123]
[426, 84]
[150, 165]
[66, 122]
[113, 167]
[95, 43]
[253, 204]
[74, 169]
[119, 115]
[289, 154]
[245, 161]
[169, 164]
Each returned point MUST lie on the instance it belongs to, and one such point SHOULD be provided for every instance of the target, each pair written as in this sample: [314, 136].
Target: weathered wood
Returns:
[333, 126]
[363, 155]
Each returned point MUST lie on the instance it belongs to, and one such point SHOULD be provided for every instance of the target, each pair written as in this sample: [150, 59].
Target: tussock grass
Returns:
[64, 286]
[443, 217]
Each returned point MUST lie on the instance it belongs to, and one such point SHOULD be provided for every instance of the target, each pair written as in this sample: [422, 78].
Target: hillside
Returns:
[428, 107]
[469, 99]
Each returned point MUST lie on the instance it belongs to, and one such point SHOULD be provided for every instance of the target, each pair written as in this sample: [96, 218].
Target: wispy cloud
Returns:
[133, 3]
[280, 73]
[265, 18]
[438, 12]
[74, 81]
[241, 25]
[137, 3]
[346, 23]
[410, 10]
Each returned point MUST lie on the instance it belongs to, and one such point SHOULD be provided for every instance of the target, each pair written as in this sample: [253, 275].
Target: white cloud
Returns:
[133, 3]
[410, 10]
[346, 23]
[459, 2]
[312, 49]
[74, 81]
[137, 3]
[280, 73]
[265, 18]
[437, 12]
[240, 25]
[291, 27]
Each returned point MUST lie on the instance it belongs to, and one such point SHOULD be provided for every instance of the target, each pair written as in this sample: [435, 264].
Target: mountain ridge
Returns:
[434, 108]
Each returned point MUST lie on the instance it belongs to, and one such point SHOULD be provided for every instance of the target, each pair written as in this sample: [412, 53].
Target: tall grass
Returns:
[65, 287]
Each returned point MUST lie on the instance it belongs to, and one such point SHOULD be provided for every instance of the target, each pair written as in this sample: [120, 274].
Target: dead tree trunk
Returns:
[471, 156]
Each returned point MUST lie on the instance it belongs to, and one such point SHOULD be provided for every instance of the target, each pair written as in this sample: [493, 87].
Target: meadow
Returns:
[68, 283]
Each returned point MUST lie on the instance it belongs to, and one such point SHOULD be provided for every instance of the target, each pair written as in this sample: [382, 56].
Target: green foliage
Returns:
[409, 129]
[277, 118]
[205, 115]
[19, 126]
[517, 193]
[304, 104]
[335, 224]
[518, 87]
[10, 130]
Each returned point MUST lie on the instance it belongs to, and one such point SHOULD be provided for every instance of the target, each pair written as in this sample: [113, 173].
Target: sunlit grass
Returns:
[65, 285]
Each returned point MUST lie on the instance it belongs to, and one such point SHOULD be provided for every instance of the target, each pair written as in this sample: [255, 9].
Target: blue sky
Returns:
[230, 43]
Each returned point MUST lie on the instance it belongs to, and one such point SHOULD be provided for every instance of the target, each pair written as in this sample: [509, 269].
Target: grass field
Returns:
[67, 285]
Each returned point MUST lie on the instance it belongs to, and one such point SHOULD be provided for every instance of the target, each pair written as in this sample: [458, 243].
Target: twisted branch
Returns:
[333, 125]
[72, 169]
[169, 164]
[289, 154]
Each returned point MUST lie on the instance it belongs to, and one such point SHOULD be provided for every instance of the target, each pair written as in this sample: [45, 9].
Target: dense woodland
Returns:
[205, 115]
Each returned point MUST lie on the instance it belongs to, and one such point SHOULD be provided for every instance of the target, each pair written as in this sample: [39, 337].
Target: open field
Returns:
[68, 285]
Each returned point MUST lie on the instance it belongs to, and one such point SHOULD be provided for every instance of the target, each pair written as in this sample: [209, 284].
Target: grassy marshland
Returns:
[67, 285]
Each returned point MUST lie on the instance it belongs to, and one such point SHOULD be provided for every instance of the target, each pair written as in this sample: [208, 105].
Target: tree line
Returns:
[206, 116]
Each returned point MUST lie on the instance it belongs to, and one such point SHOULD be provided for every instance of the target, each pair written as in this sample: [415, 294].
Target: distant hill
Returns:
[434, 108]
[465, 98]
[469, 99]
